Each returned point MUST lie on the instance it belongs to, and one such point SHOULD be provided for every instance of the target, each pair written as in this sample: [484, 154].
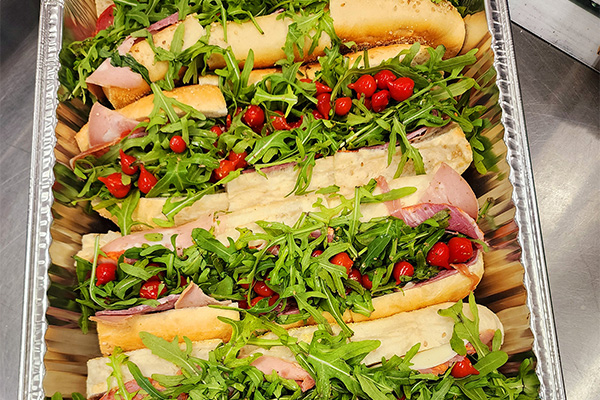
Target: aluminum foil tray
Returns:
[515, 285]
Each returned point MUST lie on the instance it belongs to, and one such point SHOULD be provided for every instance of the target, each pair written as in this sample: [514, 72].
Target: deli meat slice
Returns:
[459, 222]
[448, 187]
[108, 75]
[106, 125]
[165, 303]
[183, 240]
[193, 296]
[286, 370]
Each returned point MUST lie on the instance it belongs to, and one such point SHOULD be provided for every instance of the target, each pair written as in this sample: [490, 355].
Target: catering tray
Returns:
[515, 284]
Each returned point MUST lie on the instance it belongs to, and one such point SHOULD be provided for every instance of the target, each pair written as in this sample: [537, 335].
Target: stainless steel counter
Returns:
[562, 110]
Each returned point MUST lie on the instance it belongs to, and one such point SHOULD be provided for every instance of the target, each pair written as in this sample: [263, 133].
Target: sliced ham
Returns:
[132, 387]
[184, 237]
[107, 75]
[107, 126]
[165, 303]
[163, 23]
[193, 296]
[286, 370]
[459, 222]
[448, 187]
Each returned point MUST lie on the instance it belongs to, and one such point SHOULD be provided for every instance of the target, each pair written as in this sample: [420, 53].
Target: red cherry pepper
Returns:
[368, 104]
[127, 163]
[364, 85]
[177, 144]
[355, 275]
[343, 105]
[324, 104]
[106, 19]
[245, 285]
[344, 260]
[228, 122]
[401, 89]
[380, 100]
[402, 268]
[280, 123]
[296, 124]
[105, 272]
[225, 167]
[383, 77]
[322, 88]
[182, 281]
[254, 117]
[439, 255]
[461, 249]
[149, 290]
[217, 129]
[255, 300]
[273, 299]
[317, 114]
[316, 253]
[146, 181]
[463, 368]
[366, 282]
[262, 289]
[238, 159]
[115, 185]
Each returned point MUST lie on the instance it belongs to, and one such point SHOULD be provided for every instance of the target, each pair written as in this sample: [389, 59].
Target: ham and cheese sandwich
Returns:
[381, 22]
[397, 334]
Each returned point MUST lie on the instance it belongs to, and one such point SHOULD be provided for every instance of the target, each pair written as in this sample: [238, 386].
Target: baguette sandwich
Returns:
[292, 34]
[329, 266]
[421, 337]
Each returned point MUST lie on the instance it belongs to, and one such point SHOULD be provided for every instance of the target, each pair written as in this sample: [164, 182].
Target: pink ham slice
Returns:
[286, 370]
[459, 222]
[106, 125]
[184, 237]
[193, 296]
[163, 23]
[108, 75]
[448, 187]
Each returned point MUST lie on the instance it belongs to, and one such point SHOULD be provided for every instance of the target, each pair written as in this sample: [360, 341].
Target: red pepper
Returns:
[322, 88]
[115, 185]
[343, 105]
[106, 19]
[317, 114]
[366, 282]
[439, 255]
[463, 368]
[254, 117]
[255, 300]
[355, 275]
[105, 272]
[383, 77]
[262, 289]
[380, 100]
[149, 290]
[324, 104]
[344, 260]
[273, 299]
[316, 253]
[402, 268]
[225, 167]
[365, 85]
[238, 159]
[280, 123]
[146, 181]
[217, 129]
[127, 163]
[177, 144]
[461, 249]
[401, 89]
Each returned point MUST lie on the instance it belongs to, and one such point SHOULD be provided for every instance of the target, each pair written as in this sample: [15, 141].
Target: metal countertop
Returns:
[562, 110]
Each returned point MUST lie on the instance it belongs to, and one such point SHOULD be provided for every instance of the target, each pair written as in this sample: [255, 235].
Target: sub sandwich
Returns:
[334, 264]
[408, 354]
[180, 46]
[177, 151]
